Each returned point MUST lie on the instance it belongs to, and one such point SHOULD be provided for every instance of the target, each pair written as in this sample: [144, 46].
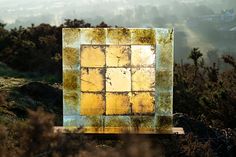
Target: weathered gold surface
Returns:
[92, 79]
[143, 79]
[92, 56]
[92, 104]
[117, 103]
[143, 102]
[143, 56]
[118, 56]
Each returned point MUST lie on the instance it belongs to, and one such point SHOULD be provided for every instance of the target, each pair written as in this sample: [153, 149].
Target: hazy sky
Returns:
[123, 11]
[129, 13]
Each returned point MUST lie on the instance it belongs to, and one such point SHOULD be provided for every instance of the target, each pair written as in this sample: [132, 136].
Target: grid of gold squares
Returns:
[116, 72]
[117, 79]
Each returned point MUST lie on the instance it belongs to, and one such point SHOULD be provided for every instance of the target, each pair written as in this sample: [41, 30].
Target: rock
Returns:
[43, 95]
[42, 92]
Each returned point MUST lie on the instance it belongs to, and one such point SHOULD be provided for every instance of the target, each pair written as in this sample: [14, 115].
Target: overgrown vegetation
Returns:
[36, 49]
[204, 93]
[204, 103]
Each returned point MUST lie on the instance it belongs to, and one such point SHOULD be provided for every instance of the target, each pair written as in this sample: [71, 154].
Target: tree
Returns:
[195, 55]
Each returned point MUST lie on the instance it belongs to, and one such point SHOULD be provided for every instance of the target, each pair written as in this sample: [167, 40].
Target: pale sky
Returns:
[55, 11]
[129, 13]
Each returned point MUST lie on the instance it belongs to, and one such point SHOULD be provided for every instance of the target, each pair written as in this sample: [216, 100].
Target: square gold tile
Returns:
[142, 56]
[92, 104]
[92, 79]
[143, 102]
[117, 103]
[143, 79]
[92, 56]
[118, 56]
[118, 79]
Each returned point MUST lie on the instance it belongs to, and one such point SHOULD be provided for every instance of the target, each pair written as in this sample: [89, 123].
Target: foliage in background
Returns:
[203, 93]
[36, 49]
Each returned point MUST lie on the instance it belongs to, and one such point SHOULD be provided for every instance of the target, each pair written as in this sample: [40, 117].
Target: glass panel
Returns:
[92, 104]
[164, 80]
[118, 36]
[70, 120]
[94, 121]
[165, 45]
[143, 79]
[143, 56]
[164, 104]
[142, 122]
[71, 37]
[164, 122]
[70, 79]
[117, 121]
[143, 102]
[92, 79]
[70, 57]
[143, 36]
[71, 102]
[118, 56]
[92, 56]
[118, 79]
[93, 36]
[117, 103]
